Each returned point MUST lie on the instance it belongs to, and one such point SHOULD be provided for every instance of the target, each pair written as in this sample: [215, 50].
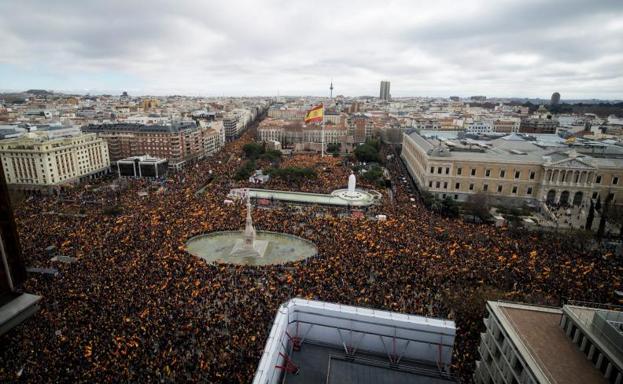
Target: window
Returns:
[430, 184]
[458, 171]
[457, 185]
[432, 169]
[447, 170]
[532, 175]
[445, 185]
[473, 172]
[502, 173]
[529, 191]
[499, 189]
[487, 173]
[517, 174]
[439, 170]
[471, 187]
[598, 179]
[615, 181]
[456, 197]
[514, 189]
[595, 194]
[485, 187]
[437, 184]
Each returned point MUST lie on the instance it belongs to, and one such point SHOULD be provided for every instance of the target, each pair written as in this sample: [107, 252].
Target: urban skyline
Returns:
[510, 49]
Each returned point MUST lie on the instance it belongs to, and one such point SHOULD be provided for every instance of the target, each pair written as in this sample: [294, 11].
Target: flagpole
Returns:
[322, 132]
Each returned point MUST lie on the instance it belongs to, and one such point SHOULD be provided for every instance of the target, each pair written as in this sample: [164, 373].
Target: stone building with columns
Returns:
[515, 169]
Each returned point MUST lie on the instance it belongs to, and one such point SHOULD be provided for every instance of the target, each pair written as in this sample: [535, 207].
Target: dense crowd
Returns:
[136, 307]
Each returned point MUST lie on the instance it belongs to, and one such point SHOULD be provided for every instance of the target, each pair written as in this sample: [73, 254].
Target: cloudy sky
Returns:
[264, 47]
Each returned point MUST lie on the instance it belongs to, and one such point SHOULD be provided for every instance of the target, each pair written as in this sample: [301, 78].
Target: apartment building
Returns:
[538, 125]
[579, 343]
[515, 169]
[178, 142]
[287, 134]
[36, 160]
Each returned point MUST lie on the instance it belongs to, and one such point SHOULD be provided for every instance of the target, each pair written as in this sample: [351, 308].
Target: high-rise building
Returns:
[555, 100]
[385, 95]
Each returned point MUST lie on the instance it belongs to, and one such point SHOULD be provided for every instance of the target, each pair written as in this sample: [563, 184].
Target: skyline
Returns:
[526, 49]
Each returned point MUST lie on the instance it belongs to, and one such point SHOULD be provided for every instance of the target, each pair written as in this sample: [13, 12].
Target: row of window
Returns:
[459, 171]
[485, 187]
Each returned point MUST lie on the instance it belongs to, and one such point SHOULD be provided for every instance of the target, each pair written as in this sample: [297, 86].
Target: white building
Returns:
[479, 127]
[36, 160]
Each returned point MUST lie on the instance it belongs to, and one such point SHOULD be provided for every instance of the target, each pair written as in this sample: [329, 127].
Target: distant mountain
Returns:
[39, 92]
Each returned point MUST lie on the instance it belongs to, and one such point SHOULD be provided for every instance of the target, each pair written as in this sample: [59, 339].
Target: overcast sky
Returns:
[425, 48]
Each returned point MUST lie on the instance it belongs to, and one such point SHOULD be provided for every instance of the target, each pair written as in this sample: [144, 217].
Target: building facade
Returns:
[538, 125]
[384, 93]
[178, 143]
[513, 170]
[35, 160]
[575, 344]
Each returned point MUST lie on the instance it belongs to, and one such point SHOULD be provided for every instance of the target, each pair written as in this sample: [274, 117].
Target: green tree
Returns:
[367, 152]
[245, 171]
[253, 150]
[449, 207]
[374, 175]
[292, 174]
[272, 155]
[334, 147]
[590, 217]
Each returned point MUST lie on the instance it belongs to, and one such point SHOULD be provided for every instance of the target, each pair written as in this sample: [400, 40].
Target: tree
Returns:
[598, 204]
[427, 199]
[273, 155]
[590, 217]
[292, 174]
[449, 207]
[604, 218]
[367, 152]
[245, 171]
[334, 147]
[374, 175]
[253, 150]
[615, 214]
[478, 205]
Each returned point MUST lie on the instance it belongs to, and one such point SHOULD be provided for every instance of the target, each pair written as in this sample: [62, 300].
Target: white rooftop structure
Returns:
[314, 341]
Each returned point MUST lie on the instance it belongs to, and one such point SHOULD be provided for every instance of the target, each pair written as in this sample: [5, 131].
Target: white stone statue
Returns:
[249, 231]
[352, 183]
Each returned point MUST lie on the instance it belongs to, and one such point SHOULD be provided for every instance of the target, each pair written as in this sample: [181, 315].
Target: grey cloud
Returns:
[235, 47]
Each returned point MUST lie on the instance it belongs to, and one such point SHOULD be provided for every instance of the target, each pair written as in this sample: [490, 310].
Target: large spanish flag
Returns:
[315, 114]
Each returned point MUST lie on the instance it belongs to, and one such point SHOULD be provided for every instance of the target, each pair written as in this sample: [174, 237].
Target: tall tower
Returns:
[384, 94]
[331, 89]
[555, 99]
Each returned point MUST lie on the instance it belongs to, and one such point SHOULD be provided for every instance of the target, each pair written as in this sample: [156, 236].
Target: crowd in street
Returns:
[136, 307]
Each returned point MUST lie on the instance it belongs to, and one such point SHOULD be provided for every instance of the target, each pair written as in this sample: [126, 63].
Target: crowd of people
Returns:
[136, 307]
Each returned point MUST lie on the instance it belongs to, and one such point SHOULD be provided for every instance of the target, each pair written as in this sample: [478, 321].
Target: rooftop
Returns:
[325, 364]
[550, 354]
[516, 148]
[362, 199]
[131, 127]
